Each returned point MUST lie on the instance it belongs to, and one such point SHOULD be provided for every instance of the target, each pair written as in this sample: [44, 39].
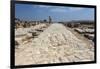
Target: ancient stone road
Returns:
[56, 44]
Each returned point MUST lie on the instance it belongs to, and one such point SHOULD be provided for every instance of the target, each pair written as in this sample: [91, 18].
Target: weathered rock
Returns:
[56, 44]
[16, 43]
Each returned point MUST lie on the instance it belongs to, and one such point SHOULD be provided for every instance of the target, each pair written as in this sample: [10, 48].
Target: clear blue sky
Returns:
[58, 13]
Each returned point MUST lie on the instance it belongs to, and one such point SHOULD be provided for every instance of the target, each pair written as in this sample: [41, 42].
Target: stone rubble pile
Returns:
[22, 34]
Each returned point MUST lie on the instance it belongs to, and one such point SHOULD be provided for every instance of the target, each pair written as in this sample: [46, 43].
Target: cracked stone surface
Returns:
[56, 44]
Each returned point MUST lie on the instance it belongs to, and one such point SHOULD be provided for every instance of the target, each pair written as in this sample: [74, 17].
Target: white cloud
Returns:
[66, 9]
[54, 8]
[75, 8]
[58, 10]
[45, 6]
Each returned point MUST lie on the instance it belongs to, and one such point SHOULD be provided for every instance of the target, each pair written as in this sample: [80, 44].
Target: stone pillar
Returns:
[50, 19]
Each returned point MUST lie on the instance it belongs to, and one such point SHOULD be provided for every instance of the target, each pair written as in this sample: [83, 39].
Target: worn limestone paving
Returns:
[56, 44]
